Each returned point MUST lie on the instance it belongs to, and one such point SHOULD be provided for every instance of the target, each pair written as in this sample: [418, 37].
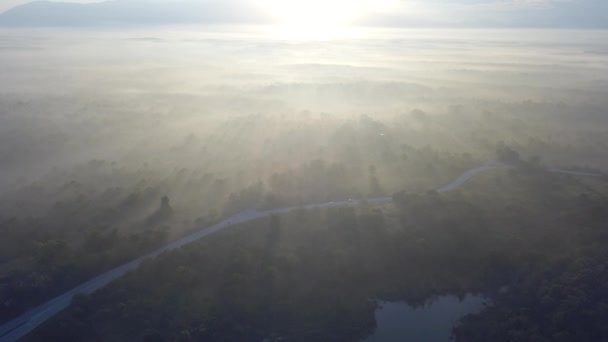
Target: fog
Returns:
[243, 106]
[203, 114]
[114, 142]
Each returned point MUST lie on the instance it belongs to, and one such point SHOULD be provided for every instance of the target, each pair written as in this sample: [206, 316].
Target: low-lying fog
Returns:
[201, 113]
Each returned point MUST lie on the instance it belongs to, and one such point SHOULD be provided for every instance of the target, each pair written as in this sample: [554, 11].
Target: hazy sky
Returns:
[7, 4]
[475, 13]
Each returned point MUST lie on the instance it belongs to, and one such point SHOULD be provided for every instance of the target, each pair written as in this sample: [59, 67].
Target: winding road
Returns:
[24, 324]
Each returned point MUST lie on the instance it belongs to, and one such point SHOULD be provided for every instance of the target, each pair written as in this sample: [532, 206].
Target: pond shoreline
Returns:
[431, 322]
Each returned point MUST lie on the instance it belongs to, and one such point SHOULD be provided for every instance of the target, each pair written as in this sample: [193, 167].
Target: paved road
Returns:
[24, 324]
[576, 173]
[458, 182]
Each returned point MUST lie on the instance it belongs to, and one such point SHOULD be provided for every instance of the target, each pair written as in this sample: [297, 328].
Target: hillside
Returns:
[130, 13]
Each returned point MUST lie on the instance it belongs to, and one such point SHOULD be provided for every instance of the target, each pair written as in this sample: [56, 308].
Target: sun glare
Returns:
[313, 12]
[320, 18]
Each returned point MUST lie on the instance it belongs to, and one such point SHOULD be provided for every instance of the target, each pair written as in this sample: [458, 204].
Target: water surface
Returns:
[399, 322]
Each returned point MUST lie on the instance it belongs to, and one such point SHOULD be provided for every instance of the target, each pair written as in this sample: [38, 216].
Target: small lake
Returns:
[399, 322]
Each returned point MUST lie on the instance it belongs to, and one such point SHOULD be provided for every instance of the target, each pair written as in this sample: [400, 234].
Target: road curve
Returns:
[24, 324]
[458, 182]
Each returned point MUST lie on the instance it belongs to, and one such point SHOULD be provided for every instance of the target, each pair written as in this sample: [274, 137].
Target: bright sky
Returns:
[7, 4]
[474, 13]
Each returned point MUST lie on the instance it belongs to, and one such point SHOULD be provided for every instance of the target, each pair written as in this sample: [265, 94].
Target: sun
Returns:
[320, 17]
[314, 12]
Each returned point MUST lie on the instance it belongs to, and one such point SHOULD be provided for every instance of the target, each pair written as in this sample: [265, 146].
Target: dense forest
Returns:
[319, 275]
[113, 144]
[74, 223]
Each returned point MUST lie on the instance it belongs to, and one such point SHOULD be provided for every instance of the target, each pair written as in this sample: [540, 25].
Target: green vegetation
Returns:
[48, 255]
[75, 223]
[113, 143]
[71, 225]
[314, 275]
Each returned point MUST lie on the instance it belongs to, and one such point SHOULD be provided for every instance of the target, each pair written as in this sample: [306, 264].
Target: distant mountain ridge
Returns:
[132, 12]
